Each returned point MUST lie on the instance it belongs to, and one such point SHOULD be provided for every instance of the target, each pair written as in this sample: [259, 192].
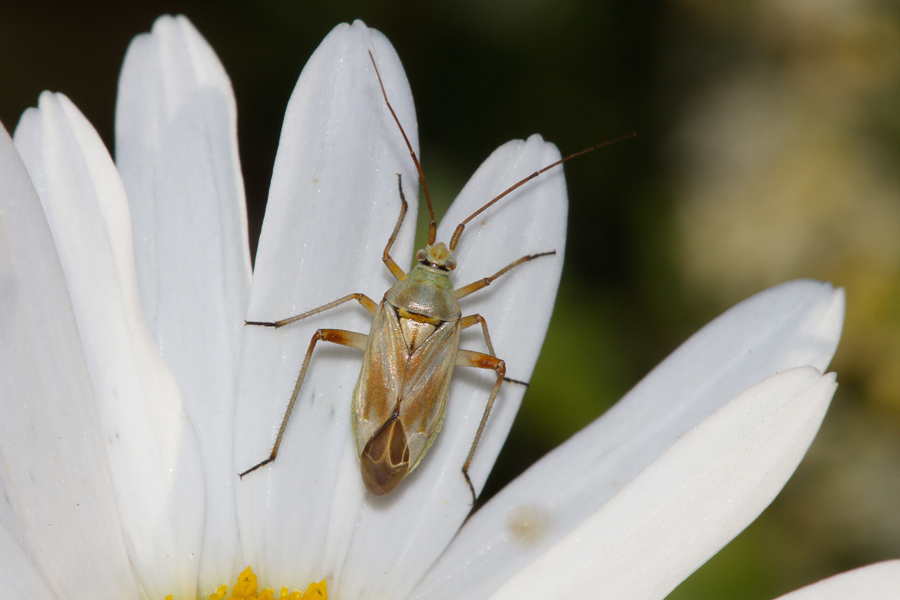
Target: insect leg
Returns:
[335, 336]
[470, 320]
[364, 300]
[483, 283]
[479, 360]
[396, 271]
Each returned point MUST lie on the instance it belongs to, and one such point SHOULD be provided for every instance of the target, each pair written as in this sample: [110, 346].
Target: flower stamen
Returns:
[247, 586]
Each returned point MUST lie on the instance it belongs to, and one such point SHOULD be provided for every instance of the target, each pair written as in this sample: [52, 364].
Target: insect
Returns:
[411, 350]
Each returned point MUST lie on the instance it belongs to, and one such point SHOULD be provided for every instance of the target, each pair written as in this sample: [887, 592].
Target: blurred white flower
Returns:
[132, 393]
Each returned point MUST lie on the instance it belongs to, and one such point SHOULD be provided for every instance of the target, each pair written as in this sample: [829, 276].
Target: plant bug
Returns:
[412, 348]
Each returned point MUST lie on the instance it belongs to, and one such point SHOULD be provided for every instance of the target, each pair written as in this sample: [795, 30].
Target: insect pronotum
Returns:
[411, 350]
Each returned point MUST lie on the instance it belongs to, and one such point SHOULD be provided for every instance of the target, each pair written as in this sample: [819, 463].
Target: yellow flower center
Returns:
[246, 589]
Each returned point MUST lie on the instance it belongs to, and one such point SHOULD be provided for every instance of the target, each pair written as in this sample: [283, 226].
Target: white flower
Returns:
[132, 394]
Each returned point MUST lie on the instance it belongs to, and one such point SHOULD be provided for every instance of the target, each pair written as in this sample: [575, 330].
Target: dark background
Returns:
[736, 105]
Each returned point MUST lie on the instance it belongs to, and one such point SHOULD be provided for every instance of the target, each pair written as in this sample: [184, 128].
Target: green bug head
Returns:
[437, 256]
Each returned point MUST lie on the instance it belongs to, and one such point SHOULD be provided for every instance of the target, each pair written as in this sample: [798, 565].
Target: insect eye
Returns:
[451, 264]
[421, 255]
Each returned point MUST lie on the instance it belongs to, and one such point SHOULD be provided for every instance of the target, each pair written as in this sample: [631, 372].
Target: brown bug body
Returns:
[401, 395]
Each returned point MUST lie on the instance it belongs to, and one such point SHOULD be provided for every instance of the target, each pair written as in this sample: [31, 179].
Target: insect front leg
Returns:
[486, 281]
[479, 360]
[391, 264]
[364, 301]
[335, 336]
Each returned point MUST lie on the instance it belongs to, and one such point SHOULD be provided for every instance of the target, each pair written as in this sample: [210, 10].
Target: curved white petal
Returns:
[689, 502]
[21, 578]
[151, 447]
[397, 538]
[332, 205]
[517, 307]
[176, 150]
[880, 581]
[790, 325]
[65, 518]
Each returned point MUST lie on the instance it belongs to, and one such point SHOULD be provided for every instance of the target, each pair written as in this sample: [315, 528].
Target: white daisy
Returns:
[132, 393]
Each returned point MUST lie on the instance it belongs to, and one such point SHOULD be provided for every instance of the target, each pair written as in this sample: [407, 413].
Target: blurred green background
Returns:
[767, 150]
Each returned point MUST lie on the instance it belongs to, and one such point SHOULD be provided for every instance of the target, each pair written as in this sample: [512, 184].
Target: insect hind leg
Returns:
[479, 360]
[335, 336]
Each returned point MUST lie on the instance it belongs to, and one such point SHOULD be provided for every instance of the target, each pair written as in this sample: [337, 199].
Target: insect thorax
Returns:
[426, 291]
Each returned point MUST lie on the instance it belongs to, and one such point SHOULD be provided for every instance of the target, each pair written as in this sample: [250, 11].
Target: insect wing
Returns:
[380, 378]
[425, 388]
[418, 382]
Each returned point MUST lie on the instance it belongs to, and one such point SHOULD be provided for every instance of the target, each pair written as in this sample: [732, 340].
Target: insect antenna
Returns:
[459, 228]
[432, 226]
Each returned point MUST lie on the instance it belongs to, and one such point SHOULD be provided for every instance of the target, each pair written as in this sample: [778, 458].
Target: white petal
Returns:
[332, 205]
[397, 538]
[176, 147]
[880, 581]
[690, 501]
[517, 306]
[790, 325]
[21, 578]
[49, 418]
[151, 447]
